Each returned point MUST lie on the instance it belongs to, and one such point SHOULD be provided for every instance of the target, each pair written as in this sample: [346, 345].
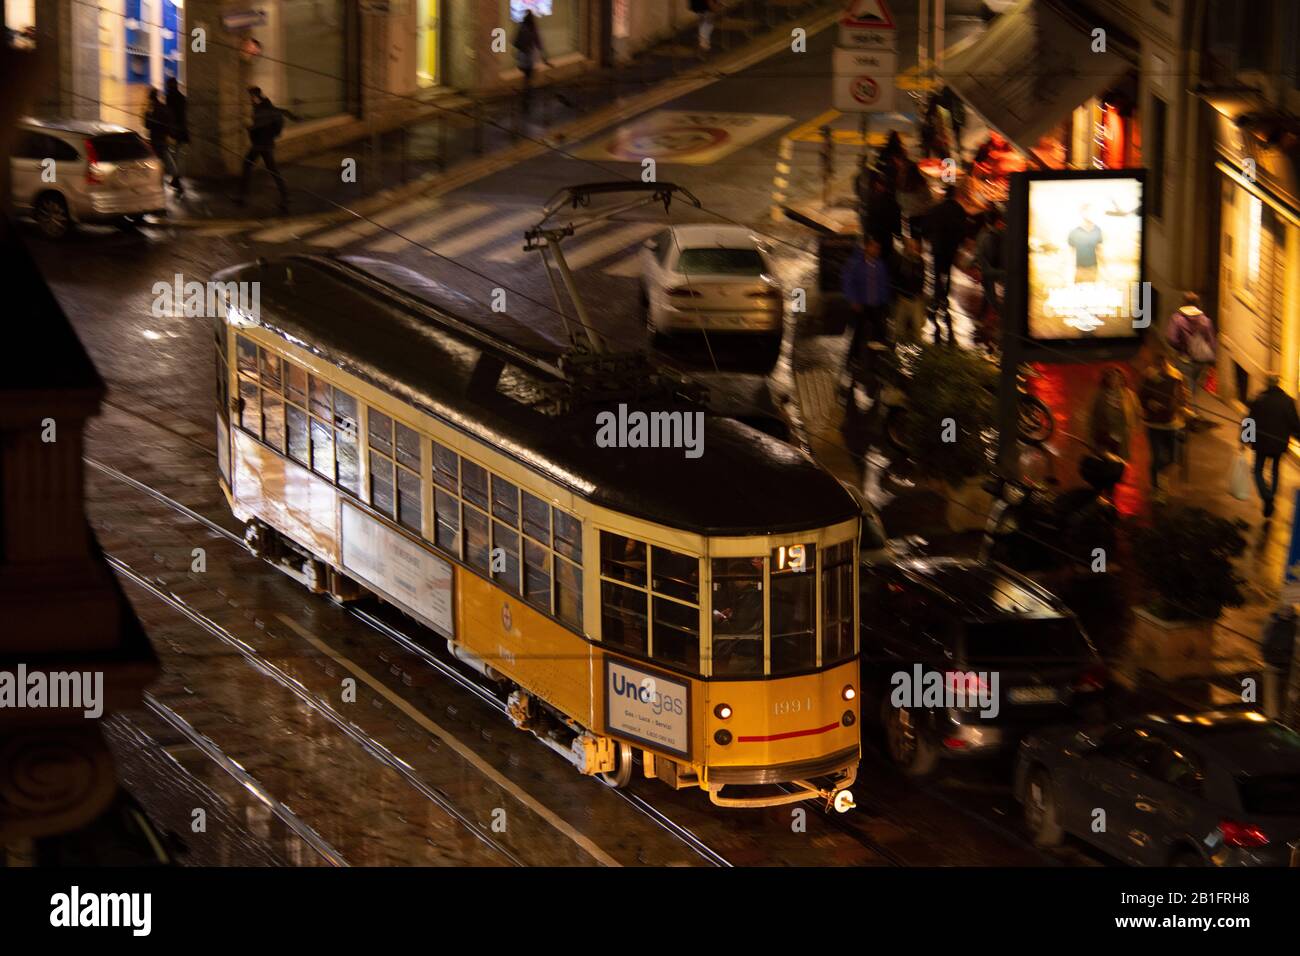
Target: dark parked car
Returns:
[962, 658]
[1207, 789]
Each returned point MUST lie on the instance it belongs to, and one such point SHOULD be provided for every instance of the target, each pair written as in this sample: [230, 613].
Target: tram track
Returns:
[295, 687]
[645, 809]
[205, 745]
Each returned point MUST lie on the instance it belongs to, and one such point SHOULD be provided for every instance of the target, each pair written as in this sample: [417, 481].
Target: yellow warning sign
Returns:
[683, 136]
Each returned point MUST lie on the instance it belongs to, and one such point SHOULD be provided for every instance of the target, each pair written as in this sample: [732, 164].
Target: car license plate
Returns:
[1033, 695]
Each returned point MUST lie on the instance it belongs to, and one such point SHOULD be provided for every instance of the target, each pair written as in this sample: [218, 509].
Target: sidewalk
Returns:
[467, 135]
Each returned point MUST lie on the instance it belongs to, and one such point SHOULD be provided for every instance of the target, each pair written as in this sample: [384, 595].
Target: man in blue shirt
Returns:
[865, 283]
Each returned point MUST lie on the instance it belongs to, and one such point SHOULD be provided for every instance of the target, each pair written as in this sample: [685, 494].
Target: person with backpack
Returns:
[158, 124]
[177, 105]
[1273, 413]
[1163, 399]
[528, 50]
[267, 125]
[1192, 337]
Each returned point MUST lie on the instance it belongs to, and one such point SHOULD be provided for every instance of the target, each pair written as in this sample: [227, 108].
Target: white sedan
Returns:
[711, 278]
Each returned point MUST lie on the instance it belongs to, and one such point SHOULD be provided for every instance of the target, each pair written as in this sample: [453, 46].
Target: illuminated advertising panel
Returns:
[1084, 256]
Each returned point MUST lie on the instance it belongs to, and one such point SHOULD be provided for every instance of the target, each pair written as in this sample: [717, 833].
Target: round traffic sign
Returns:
[865, 90]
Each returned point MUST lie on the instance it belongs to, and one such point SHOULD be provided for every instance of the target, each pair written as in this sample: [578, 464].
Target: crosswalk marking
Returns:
[627, 267]
[439, 222]
[290, 230]
[488, 234]
[337, 238]
[608, 243]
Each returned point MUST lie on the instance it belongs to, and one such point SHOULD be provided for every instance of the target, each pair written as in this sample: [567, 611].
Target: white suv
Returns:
[70, 171]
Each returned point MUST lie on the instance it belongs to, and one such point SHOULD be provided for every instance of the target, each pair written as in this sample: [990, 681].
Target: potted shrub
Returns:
[1184, 558]
[947, 428]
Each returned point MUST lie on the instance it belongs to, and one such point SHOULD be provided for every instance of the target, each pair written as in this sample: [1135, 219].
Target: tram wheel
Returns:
[621, 775]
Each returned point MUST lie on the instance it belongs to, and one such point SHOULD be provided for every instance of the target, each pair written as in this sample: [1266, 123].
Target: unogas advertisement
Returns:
[1085, 256]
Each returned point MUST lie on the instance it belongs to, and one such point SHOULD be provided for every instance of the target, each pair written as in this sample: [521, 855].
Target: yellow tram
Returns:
[700, 609]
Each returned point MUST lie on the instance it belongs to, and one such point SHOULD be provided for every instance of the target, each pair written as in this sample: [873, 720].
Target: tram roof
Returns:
[745, 482]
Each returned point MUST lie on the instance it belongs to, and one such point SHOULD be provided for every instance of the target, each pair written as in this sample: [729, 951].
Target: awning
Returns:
[1033, 65]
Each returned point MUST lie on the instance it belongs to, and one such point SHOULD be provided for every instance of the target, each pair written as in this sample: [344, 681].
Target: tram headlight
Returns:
[722, 738]
[849, 693]
[848, 720]
[722, 711]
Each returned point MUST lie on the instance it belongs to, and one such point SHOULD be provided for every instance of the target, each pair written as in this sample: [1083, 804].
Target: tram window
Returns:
[793, 596]
[295, 384]
[675, 574]
[381, 484]
[568, 592]
[446, 470]
[446, 532]
[250, 414]
[737, 646]
[568, 534]
[246, 353]
[295, 424]
[837, 604]
[537, 518]
[476, 538]
[409, 450]
[320, 398]
[623, 617]
[270, 370]
[506, 567]
[474, 483]
[622, 559]
[381, 432]
[273, 420]
[676, 634]
[505, 501]
[408, 499]
[223, 384]
[537, 575]
[322, 450]
[345, 440]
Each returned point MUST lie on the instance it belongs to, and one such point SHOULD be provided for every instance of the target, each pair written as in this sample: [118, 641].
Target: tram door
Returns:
[220, 334]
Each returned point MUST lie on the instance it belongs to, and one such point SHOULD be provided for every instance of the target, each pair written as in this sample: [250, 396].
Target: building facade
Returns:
[343, 68]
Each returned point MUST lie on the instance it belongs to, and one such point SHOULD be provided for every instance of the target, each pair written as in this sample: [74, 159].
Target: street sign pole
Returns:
[1015, 302]
[938, 35]
[922, 29]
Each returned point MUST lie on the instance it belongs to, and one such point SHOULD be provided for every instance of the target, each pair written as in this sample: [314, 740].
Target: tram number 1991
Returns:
[795, 705]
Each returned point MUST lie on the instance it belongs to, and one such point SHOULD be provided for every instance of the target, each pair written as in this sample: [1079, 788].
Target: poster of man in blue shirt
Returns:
[1084, 240]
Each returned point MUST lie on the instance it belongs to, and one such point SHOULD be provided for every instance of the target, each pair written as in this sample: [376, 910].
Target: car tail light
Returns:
[965, 682]
[92, 165]
[954, 743]
[1094, 678]
[1242, 834]
[681, 292]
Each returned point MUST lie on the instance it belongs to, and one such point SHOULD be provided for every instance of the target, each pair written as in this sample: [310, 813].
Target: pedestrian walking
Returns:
[907, 270]
[528, 50]
[158, 124]
[865, 283]
[1113, 415]
[881, 217]
[707, 11]
[988, 256]
[178, 106]
[1276, 422]
[1193, 339]
[946, 227]
[1163, 398]
[914, 196]
[267, 125]
[1277, 647]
